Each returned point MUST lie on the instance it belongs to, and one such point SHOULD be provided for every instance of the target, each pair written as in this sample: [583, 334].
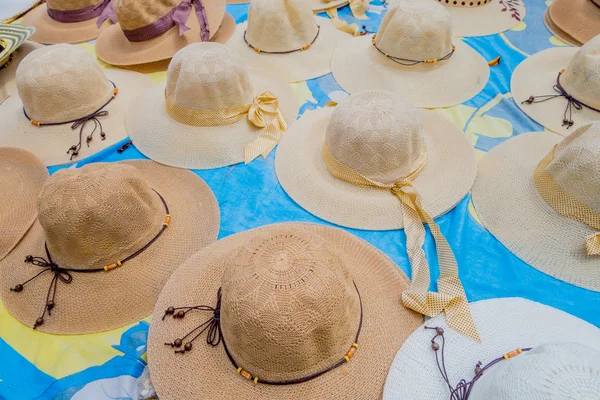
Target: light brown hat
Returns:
[14, 46]
[540, 197]
[574, 21]
[21, 178]
[294, 301]
[108, 237]
[65, 97]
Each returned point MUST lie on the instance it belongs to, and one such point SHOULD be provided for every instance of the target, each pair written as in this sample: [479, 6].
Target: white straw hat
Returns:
[219, 97]
[64, 98]
[15, 46]
[505, 325]
[534, 86]
[413, 53]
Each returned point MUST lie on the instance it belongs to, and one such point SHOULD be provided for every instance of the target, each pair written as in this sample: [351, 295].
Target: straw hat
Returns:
[563, 363]
[63, 83]
[12, 10]
[13, 41]
[89, 219]
[574, 21]
[534, 90]
[202, 117]
[413, 53]
[294, 44]
[292, 297]
[318, 5]
[154, 30]
[21, 178]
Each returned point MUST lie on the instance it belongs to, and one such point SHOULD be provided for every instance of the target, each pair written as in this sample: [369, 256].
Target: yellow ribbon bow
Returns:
[592, 244]
[358, 9]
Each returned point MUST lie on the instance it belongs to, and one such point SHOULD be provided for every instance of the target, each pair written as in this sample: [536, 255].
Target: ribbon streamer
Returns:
[342, 25]
[107, 12]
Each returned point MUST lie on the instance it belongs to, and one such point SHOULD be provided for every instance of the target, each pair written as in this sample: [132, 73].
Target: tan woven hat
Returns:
[22, 176]
[286, 39]
[107, 239]
[212, 111]
[574, 21]
[15, 46]
[65, 97]
[560, 87]
[413, 53]
[294, 301]
[539, 197]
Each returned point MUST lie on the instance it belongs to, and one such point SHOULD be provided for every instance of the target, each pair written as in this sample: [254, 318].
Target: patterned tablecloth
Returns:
[107, 365]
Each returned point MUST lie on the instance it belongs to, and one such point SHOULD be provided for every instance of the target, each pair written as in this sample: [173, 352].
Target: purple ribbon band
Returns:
[82, 14]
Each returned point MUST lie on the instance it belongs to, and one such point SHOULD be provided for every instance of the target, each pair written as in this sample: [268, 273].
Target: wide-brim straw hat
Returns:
[206, 371]
[13, 9]
[22, 176]
[95, 302]
[504, 325]
[574, 21]
[12, 37]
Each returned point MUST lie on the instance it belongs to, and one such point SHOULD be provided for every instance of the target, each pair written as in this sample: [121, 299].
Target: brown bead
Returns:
[439, 331]
[50, 305]
[170, 311]
[435, 346]
[188, 346]
[39, 321]
[178, 342]
[180, 314]
[17, 288]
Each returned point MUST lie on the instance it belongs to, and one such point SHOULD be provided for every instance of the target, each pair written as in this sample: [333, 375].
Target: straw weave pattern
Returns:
[67, 5]
[581, 78]
[133, 14]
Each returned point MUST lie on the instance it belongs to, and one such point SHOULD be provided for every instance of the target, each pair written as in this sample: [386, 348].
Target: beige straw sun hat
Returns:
[294, 301]
[107, 239]
[540, 197]
[212, 112]
[413, 53]
[65, 97]
[560, 87]
[574, 21]
[13, 48]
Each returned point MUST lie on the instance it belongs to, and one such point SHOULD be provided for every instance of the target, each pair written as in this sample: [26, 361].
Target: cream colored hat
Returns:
[14, 47]
[414, 53]
[284, 38]
[287, 303]
[574, 21]
[562, 364]
[560, 87]
[318, 5]
[107, 239]
[539, 197]
[65, 97]
[12, 10]
[212, 111]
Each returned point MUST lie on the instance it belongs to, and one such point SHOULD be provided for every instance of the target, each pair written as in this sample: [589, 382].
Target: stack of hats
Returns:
[574, 21]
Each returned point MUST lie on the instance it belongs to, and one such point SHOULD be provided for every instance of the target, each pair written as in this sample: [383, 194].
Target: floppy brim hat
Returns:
[296, 66]
[13, 9]
[161, 138]
[12, 36]
[559, 33]
[102, 301]
[208, 372]
[8, 74]
[446, 178]
[504, 325]
[576, 21]
[50, 143]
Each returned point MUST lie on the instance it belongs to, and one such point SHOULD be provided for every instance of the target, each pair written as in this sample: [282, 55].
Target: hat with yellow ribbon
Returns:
[375, 162]
[212, 112]
[541, 198]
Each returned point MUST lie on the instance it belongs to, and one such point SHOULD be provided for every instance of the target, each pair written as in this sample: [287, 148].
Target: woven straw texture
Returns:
[22, 176]
[504, 325]
[556, 31]
[50, 83]
[575, 19]
[415, 31]
[373, 131]
[95, 215]
[313, 266]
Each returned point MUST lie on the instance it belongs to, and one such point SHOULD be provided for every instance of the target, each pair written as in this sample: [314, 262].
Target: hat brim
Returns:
[559, 33]
[444, 181]
[50, 143]
[8, 74]
[13, 36]
[503, 324]
[536, 76]
[357, 65]
[207, 371]
[322, 5]
[96, 302]
[578, 20]
[162, 139]
[511, 208]
[488, 19]
[296, 66]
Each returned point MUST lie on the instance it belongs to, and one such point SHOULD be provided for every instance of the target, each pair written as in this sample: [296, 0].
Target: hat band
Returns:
[451, 297]
[565, 204]
[408, 62]
[596, 3]
[82, 14]
[214, 336]
[305, 47]
[264, 106]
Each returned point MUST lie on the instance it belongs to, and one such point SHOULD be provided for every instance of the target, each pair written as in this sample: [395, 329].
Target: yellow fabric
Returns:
[451, 297]
[358, 9]
[265, 106]
[342, 25]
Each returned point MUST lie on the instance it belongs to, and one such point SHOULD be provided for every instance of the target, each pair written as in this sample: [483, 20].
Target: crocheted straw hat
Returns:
[524, 191]
[13, 38]
[64, 83]
[100, 216]
[578, 72]
[292, 296]
[557, 368]
[154, 30]
[202, 117]
[12, 10]
[574, 21]
[21, 178]
[413, 53]
[285, 38]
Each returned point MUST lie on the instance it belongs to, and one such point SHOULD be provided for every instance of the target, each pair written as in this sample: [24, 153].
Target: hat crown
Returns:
[98, 214]
[67, 5]
[416, 30]
[282, 25]
[289, 308]
[378, 134]
[208, 76]
[581, 78]
[133, 14]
